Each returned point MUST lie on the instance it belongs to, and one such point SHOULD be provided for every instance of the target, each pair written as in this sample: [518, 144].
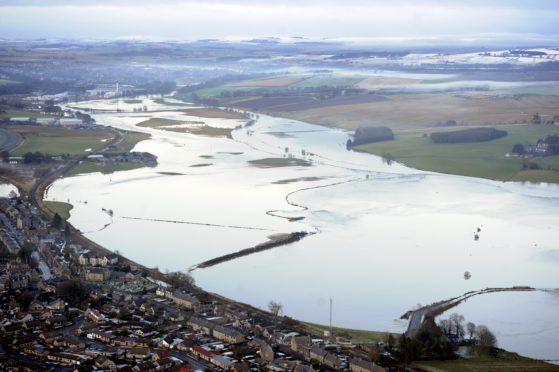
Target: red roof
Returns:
[201, 350]
[163, 354]
[182, 369]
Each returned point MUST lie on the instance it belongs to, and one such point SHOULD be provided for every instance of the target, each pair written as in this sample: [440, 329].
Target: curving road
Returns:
[8, 139]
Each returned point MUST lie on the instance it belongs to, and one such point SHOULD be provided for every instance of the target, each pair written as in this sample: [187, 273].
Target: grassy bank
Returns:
[480, 159]
[25, 114]
[129, 141]
[357, 335]
[487, 364]
[63, 209]
[91, 167]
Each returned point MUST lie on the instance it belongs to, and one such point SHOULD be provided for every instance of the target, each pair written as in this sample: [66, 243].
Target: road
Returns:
[418, 316]
[8, 139]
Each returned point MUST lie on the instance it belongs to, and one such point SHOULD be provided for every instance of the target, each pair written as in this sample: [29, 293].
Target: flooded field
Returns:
[386, 237]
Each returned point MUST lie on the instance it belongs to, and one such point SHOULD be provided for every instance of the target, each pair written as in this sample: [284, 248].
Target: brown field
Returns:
[375, 82]
[302, 103]
[411, 111]
[274, 82]
[202, 130]
[160, 122]
[215, 113]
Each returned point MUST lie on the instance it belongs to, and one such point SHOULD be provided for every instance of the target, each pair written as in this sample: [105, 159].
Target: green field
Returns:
[480, 159]
[91, 167]
[357, 336]
[4, 82]
[133, 101]
[487, 365]
[63, 209]
[130, 140]
[162, 101]
[56, 140]
[25, 114]
[216, 92]
[331, 81]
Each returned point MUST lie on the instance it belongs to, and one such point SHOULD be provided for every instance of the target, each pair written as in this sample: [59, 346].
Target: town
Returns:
[67, 305]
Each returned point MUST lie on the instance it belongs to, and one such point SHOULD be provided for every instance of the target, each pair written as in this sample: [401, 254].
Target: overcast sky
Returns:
[380, 21]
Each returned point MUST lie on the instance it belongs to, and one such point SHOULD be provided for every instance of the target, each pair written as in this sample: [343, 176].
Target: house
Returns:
[95, 315]
[161, 355]
[45, 121]
[70, 122]
[138, 353]
[222, 361]
[185, 300]
[360, 365]
[228, 335]
[324, 357]
[57, 305]
[103, 362]
[57, 321]
[300, 343]
[185, 345]
[199, 324]
[146, 331]
[165, 363]
[67, 358]
[101, 336]
[19, 281]
[202, 353]
[145, 367]
[95, 274]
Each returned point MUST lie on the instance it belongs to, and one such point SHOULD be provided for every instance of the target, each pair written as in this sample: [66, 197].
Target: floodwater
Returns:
[387, 237]
[8, 190]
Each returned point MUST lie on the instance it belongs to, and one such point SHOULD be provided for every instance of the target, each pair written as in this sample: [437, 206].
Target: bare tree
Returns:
[485, 338]
[456, 321]
[471, 328]
[446, 326]
[275, 308]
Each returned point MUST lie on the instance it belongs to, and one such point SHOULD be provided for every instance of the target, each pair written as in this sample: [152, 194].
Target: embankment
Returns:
[275, 241]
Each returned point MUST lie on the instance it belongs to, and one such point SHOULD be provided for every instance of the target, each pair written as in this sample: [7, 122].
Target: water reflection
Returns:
[390, 236]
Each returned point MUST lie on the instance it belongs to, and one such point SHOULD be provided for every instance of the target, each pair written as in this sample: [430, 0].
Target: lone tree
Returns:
[275, 308]
[56, 221]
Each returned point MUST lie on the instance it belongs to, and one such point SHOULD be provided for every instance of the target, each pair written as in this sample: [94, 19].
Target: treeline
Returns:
[468, 135]
[219, 81]
[370, 135]
[45, 86]
[321, 92]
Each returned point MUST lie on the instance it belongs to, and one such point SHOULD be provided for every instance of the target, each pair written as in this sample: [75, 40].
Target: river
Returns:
[388, 237]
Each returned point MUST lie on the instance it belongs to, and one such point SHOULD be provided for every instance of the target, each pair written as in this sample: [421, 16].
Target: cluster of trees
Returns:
[74, 291]
[85, 118]
[478, 335]
[441, 340]
[157, 87]
[468, 135]
[179, 279]
[35, 157]
[370, 135]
